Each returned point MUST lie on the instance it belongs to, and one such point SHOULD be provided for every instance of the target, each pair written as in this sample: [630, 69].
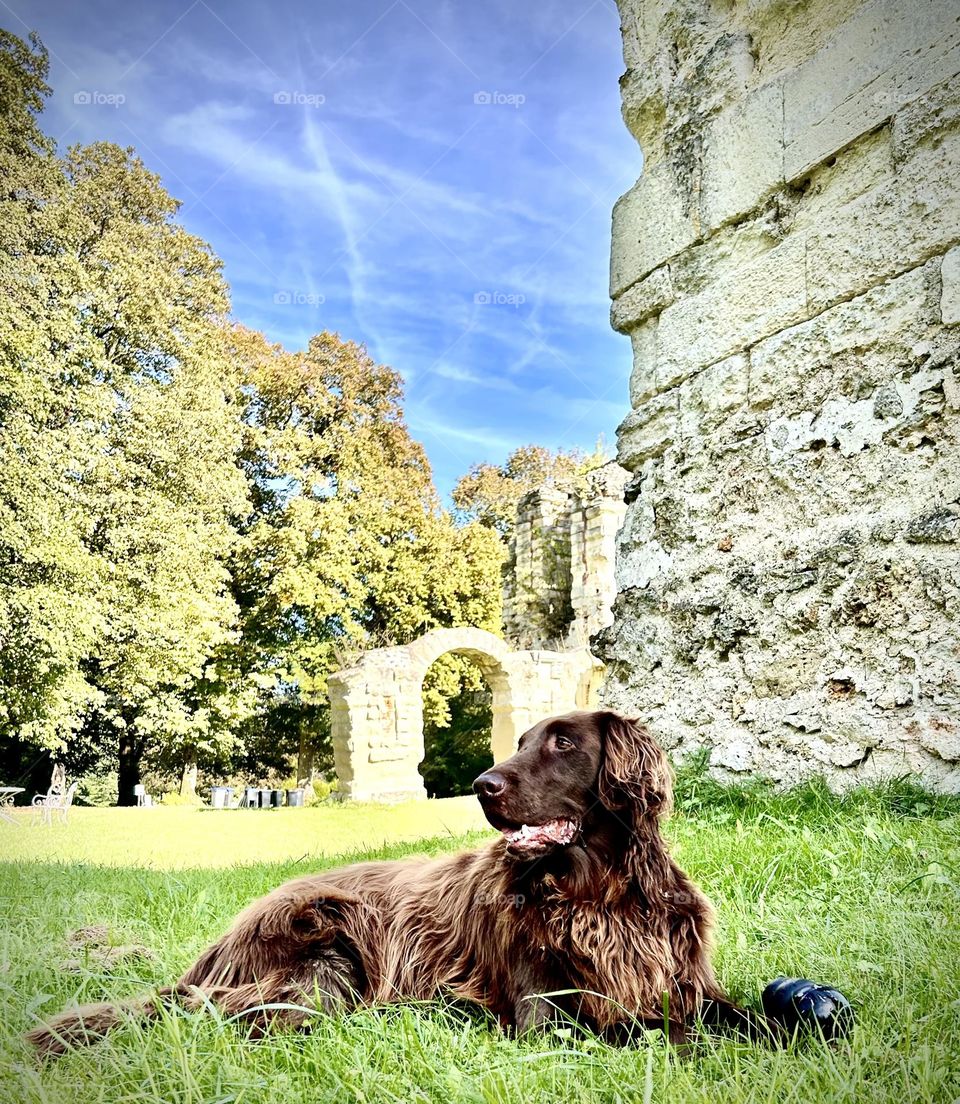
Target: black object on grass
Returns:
[801, 1003]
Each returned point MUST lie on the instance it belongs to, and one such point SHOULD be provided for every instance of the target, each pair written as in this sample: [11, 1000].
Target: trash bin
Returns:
[295, 798]
[251, 797]
[218, 796]
[265, 799]
[227, 796]
[276, 798]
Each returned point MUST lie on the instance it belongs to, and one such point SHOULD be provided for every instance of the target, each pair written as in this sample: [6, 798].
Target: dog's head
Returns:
[572, 775]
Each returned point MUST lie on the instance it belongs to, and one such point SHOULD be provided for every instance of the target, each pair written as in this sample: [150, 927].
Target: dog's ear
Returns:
[635, 776]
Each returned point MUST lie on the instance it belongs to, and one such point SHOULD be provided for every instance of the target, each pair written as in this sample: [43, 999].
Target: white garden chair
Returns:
[45, 805]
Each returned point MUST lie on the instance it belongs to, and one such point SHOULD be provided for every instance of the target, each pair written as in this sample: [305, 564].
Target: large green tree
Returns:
[118, 482]
[166, 484]
[345, 546]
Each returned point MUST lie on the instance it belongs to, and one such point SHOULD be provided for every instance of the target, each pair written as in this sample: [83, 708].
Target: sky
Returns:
[431, 178]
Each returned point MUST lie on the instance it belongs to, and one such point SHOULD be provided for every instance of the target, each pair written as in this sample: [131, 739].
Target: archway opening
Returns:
[458, 701]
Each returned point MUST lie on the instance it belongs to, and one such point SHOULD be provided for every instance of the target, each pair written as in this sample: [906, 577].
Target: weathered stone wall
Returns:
[559, 579]
[788, 270]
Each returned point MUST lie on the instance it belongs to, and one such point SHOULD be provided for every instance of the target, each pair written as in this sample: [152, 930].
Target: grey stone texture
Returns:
[788, 270]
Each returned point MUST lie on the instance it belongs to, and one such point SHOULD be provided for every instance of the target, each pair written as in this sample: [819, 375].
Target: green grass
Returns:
[860, 891]
[169, 838]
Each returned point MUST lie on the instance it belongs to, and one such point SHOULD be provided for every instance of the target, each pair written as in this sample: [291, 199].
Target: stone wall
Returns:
[788, 270]
[559, 580]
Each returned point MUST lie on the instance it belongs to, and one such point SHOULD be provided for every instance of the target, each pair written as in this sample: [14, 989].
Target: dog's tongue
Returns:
[532, 836]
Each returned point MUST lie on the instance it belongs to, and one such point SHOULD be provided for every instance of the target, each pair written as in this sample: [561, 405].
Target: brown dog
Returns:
[579, 893]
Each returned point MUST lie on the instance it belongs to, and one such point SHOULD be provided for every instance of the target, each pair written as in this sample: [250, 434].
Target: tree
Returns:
[457, 748]
[164, 477]
[345, 546]
[491, 493]
[118, 482]
[49, 612]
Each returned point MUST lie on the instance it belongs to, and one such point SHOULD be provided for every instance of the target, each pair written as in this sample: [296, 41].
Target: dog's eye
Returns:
[563, 743]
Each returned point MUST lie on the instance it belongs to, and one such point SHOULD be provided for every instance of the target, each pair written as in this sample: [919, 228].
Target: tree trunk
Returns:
[305, 760]
[188, 778]
[128, 774]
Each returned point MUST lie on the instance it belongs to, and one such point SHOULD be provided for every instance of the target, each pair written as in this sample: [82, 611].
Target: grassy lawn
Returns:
[184, 836]
[861, 892]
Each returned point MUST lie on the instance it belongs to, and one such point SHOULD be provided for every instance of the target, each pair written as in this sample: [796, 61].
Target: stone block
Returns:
[651, 223]
[867, 164]
[742, 156]
[926, 119]
[644, 89]
[647, 431]
[886, 55]
[851, 425]
[887, 230]
[950, 287]
[708, 398]
[889, 318]
[645, 298]
[643, 377]
[724, 253]
[733, 313]
[386, 755]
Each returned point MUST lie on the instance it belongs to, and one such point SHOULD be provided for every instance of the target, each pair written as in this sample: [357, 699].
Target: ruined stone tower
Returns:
[558, 581]
[788, 270]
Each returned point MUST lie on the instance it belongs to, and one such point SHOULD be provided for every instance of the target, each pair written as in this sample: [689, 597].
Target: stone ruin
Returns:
[376, 706]
[558, 589]
[559, 582]
[788, 270]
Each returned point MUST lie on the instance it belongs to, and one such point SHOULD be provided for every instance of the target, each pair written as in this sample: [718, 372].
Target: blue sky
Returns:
[432, 178]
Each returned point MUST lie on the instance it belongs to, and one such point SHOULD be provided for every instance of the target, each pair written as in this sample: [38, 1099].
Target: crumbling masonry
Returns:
[559, 582]
[788, 270]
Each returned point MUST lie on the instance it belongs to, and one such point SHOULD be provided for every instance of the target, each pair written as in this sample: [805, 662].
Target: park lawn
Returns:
[861, 892]
[170, 838]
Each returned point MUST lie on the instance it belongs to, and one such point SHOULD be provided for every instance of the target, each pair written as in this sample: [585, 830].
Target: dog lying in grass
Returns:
[576, 911]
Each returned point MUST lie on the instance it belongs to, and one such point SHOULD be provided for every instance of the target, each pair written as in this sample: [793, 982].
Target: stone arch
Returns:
[376, 708]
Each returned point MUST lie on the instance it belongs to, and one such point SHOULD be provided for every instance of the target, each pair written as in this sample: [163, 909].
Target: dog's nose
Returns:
[489, 784]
